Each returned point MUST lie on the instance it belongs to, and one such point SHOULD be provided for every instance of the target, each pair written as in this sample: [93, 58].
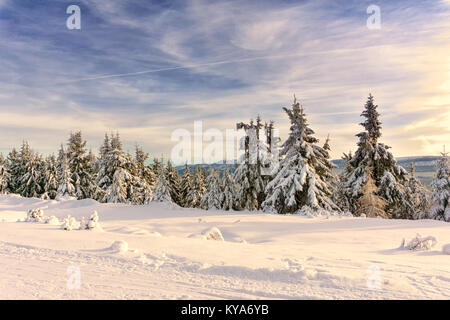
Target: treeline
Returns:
[295, 177]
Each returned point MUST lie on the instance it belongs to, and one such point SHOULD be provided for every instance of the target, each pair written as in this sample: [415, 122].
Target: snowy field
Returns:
[262, 256]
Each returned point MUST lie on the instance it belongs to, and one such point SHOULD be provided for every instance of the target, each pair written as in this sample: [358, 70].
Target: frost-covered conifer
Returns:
[80, 166]
[370, 204]
[4, 175]
[301, 184]
[65, 185]
[415, 204]
[117, 178]
[212, 197]
[185, 187]
[441, 190]
[49, 178]
[228, 194]
[388, 176]
[198, 189]
[174, 183]
[162, 189]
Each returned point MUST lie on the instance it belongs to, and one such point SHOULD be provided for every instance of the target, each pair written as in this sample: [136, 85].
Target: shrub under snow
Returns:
[35, 215]
[420, 243]
[69, 223]
[52, 220]
[213, 234]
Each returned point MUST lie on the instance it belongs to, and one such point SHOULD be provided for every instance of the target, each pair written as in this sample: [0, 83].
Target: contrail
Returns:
[185, 67]
[203, 65]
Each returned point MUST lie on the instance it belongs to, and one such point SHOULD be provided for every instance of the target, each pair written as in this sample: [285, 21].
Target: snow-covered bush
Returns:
[419, 243]
[213, 234]
[446, 248]
[52, 220]
[35, 215]
[93, 221]
[69, 223]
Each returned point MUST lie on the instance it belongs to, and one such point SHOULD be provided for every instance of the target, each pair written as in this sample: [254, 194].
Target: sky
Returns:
[147, 68]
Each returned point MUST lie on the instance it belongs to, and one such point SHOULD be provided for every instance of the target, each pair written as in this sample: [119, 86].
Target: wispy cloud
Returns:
[146, 69]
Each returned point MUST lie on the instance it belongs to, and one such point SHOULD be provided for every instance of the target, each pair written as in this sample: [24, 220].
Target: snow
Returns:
[446, 248]
[146, 252]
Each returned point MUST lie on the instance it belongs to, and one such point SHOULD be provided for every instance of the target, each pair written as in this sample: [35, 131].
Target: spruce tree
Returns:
[227, 198]
[49, 178]
[29, 180]
[441, 190]
[388, 176]
[174, 183]
[4, 175]
[212, 197]
[65, 186]
[416, 199]
[80, 166]
[198, 189]
[117, 178]
[162, 188]
[301, 184]
[370, 204]
[13, 165]
[185, 187]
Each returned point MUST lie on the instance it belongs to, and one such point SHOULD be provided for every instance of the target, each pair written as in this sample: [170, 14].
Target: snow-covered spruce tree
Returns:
[117, 178]
[49, 178]
[416, 202]
[30, 182]
[198, 189]
[302, 182]
[162, 188]
[174, 183]
[370, 204]
[248, 177]
[211, 198]
[441, 190]
[80, 166]
[227, 198]
[13, 165]
[65, 186]
[186, 186]
[340, 196]
[144, 171]
[388, 176]
[4, 175]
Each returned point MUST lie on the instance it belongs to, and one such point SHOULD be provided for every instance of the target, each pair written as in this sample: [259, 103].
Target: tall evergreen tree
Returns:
[49, 178]
[388, 176]
[174, 183]
[80, 166]
[117, 178]
[416, 200]
[13, 165]
[228, 194]
[186, 187]
[441, 190]
[211, 198]
[162, 188]
[65, 186]
[302, 182]
[31, 165]
[198, 189]
[4, 175]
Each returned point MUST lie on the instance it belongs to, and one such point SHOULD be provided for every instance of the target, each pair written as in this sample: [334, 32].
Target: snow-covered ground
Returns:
[162, 253]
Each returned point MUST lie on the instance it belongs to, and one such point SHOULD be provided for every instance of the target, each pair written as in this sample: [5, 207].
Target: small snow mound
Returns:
[70, 223]
[53, 221]
[120, 246]
[419, 243]
[446, 248]
[213, 234]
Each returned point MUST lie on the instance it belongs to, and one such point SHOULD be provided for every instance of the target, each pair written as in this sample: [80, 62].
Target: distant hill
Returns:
[425, 166]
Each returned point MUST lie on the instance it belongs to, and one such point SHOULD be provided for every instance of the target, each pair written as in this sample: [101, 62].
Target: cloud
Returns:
[147, 70]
